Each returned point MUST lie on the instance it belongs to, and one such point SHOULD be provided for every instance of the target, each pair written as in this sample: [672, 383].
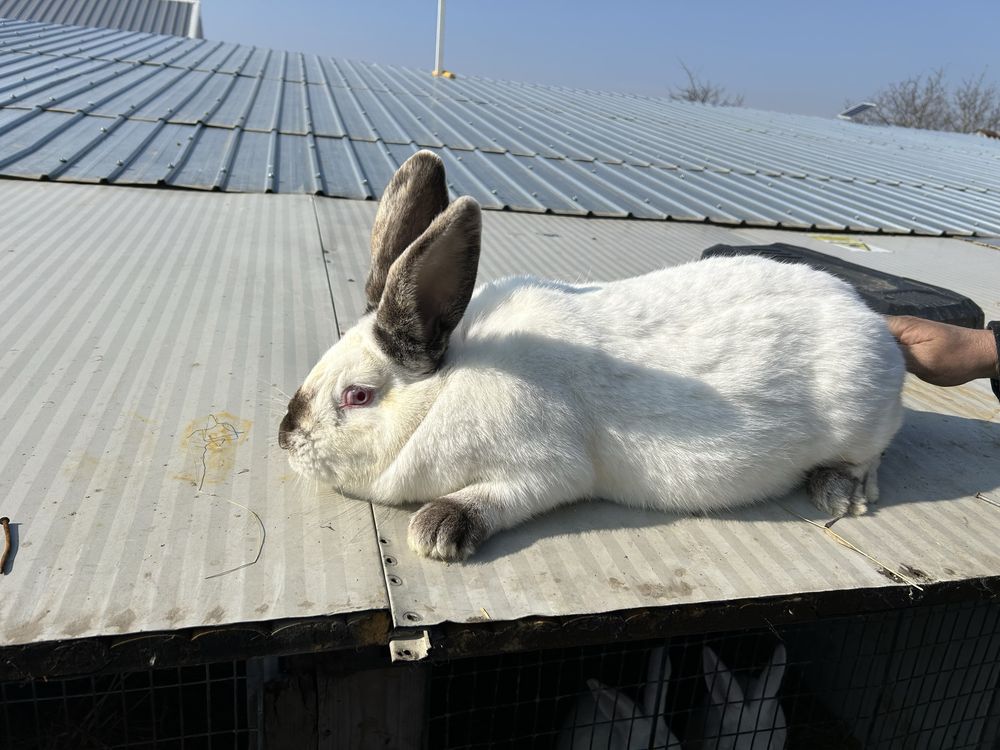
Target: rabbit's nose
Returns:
[285, 429]
[290, 422]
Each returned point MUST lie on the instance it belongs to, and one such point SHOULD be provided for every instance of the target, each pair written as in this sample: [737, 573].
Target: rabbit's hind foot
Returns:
[841, 490]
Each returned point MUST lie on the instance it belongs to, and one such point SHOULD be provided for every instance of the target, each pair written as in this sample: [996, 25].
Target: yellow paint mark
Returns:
[88, 460]
[852, 243]
[82, 463]
[210, 446]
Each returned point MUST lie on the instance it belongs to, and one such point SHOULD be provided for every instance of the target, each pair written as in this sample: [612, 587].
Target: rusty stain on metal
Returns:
[210, 443]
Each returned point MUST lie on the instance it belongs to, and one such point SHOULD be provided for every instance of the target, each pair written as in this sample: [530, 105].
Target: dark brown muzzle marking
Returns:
[290, 422]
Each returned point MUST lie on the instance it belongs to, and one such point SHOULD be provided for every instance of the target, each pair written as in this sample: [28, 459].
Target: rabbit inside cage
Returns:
[737, 711]
[727, 694]
[924, 677]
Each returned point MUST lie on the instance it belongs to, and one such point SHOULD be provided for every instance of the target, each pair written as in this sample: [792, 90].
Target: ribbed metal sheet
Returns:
[932, 523]
[111, 106]
[176, 17]
[127, 342]
[598, 557]
[149, 339]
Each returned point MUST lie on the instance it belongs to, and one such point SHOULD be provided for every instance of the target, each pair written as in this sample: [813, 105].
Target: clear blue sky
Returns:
[804, 56]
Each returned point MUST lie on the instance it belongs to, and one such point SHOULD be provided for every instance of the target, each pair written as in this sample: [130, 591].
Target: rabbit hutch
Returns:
[169, 582]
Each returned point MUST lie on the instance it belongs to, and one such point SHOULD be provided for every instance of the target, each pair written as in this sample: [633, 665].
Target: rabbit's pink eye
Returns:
[356, 395]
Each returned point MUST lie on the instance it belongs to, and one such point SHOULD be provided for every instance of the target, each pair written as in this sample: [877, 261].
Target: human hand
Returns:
[944, 354]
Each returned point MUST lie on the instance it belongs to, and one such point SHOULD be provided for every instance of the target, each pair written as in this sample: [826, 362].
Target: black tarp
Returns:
[883, 292]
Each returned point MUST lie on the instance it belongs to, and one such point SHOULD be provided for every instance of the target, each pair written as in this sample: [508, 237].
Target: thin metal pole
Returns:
[439, 47]
[194, 25]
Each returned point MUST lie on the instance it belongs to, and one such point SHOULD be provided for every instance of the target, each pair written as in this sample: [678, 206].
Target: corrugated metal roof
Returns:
[142, 364]
[176, 17]
[129, 342]
[105, 106]
[597, 557]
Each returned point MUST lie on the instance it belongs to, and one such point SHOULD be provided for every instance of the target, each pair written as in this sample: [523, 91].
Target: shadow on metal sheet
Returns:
[919, 467]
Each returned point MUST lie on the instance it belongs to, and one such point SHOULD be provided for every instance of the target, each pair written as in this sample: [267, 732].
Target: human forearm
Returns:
[985, 354]
[944, 354]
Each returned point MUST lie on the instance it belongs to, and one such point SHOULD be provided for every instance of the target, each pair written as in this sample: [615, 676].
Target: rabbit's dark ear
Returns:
[767, 685]
[722, 688]
[629, 726]
[657, 674]
[428, 288]
[417, 193]
[611, 704]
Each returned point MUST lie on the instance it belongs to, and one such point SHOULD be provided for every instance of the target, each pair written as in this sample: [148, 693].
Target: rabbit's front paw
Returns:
[446, 530]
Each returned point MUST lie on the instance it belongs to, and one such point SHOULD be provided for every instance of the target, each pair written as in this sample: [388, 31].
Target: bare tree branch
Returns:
[704, 92]
[976, 104]
[918, 102]
[925, 101]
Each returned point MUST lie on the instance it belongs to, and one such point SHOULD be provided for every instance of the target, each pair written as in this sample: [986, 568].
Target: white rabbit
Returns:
[608, 719]
[701, 387]
[741, 715]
